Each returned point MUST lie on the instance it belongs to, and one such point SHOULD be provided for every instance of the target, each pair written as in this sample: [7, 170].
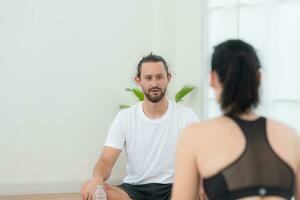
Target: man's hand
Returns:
[88, 189]
[101, 172]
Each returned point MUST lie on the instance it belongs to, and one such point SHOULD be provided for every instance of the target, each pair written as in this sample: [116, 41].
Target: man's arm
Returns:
[113, 146]
[101, 172]
[104, 165]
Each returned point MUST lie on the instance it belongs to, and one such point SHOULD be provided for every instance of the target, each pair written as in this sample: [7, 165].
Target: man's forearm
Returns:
[102, 170]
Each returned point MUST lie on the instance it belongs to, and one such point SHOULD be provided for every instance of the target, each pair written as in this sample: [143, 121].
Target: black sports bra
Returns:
[259, 171]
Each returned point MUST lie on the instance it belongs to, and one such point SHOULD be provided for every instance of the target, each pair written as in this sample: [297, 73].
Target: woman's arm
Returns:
[186, 185]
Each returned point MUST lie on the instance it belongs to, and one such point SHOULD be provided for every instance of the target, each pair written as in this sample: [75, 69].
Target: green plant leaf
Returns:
[123, 106]
[186, 89]
[137, 92]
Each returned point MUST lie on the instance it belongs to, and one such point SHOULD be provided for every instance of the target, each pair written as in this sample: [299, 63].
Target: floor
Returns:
[70, 196]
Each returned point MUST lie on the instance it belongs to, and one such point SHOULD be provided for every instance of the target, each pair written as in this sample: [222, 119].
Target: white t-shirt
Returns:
[150, 144]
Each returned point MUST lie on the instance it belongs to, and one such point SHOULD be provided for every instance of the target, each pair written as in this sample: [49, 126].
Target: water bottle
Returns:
[99, 193]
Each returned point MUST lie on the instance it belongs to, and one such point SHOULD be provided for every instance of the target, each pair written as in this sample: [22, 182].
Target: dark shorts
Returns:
[151, 191]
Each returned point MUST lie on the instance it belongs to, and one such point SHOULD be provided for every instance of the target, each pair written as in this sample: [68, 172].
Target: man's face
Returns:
[153, 80]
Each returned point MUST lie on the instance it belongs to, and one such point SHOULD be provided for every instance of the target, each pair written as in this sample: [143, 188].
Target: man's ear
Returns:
[137, 80]
[169, 76]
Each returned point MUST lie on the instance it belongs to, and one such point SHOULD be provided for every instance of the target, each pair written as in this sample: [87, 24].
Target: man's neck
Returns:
[155, 110]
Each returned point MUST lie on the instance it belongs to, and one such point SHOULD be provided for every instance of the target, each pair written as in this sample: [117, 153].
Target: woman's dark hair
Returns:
[151, 58]
[237, 67]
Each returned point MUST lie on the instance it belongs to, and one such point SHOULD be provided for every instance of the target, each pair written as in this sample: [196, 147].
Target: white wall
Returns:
[64, 65]
[180, 41]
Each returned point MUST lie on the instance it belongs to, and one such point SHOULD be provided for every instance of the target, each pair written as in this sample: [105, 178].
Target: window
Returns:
[273, 28]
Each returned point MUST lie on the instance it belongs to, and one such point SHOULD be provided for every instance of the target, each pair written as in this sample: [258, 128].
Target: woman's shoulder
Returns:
[278, 127]
[206, 130]
[208, 124]
[285, 140]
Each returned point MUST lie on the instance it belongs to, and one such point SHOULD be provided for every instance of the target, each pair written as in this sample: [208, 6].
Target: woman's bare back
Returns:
[221, 142]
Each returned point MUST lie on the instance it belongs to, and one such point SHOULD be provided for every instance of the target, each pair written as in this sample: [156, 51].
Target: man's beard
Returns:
[155, 98]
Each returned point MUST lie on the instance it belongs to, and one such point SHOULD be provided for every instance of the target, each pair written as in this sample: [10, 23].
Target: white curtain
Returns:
[273, 28]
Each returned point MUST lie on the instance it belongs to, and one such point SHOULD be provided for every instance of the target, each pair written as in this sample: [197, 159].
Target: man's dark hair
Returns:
[151, 58]
[237, 66]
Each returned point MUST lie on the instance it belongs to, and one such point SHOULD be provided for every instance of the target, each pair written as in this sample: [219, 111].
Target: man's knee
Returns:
[116, 194]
